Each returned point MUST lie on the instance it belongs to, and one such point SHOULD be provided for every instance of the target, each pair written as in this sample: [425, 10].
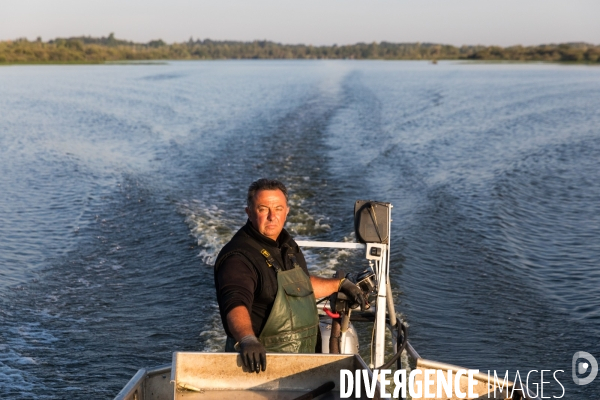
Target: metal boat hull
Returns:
[222, 375]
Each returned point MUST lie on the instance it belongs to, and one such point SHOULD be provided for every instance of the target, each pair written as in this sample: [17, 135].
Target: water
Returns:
[120, 183]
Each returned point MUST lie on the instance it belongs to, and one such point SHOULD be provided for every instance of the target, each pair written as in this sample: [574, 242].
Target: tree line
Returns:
[86, 49]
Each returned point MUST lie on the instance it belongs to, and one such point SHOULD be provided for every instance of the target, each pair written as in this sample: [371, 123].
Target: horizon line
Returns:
[191, 38]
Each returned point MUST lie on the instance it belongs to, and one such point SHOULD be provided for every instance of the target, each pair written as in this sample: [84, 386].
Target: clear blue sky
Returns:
[317, 22]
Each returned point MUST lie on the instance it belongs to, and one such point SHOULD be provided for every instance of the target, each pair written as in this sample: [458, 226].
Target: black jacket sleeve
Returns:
[236, 284]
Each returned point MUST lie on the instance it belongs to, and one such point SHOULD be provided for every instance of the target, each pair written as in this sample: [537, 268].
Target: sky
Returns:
[316, 22]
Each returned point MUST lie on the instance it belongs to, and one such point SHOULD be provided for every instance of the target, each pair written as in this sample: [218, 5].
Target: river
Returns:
[120, 183]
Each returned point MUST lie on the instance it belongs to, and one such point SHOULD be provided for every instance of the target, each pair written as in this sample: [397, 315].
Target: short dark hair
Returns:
[265, 184]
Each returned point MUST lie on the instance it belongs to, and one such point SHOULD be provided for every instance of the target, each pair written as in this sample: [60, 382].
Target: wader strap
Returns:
[270, 260]
[268, 257]
[292, 257]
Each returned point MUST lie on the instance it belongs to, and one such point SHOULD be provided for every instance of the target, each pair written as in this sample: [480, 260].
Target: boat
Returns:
[339, 371]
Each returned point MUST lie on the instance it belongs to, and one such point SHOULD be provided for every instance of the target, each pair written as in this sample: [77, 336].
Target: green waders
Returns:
[293, 324]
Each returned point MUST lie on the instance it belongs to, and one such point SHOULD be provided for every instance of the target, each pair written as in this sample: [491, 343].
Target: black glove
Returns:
[254, 354]
[353, 292]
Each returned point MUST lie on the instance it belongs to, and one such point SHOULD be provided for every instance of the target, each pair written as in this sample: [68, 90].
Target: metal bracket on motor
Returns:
[375, 251]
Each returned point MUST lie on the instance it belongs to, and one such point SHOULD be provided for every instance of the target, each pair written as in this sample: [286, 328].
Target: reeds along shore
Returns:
[98, 50]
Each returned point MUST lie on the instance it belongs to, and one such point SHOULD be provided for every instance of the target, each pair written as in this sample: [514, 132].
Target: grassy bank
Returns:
[106, 49]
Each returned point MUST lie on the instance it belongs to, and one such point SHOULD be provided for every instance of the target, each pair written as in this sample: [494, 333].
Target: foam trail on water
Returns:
[213, 228]
[210, 225]
[22, 337]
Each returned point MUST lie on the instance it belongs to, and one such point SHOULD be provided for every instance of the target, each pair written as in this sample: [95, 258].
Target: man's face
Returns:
[268, 212]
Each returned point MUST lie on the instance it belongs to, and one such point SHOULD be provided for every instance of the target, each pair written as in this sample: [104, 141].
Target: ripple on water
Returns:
[550, 217]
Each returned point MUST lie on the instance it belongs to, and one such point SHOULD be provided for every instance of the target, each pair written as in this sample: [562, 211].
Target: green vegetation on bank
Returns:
[98, 50]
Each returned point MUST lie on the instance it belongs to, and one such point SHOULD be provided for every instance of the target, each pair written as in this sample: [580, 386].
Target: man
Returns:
[265, 294]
